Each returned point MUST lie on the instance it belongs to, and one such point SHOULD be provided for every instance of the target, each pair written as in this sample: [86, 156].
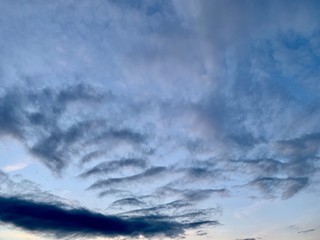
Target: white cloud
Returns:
[15, 167]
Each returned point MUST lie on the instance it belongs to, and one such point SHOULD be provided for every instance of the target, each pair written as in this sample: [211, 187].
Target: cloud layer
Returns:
[161, 107]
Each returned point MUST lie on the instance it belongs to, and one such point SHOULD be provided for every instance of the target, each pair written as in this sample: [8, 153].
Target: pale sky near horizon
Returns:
[160, 119]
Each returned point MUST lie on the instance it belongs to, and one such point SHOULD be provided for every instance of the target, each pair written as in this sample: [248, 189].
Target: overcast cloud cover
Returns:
[160, 119]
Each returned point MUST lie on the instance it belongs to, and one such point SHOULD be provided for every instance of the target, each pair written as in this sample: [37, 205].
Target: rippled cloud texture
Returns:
[160, 119]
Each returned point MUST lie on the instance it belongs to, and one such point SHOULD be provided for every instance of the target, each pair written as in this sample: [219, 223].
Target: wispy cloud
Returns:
[275, 187]
[246, 239]
[14, 167]
[151, 173]
[112, 166]
[307, 231]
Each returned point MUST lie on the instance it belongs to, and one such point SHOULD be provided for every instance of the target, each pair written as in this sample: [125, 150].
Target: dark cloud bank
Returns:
[59, 221]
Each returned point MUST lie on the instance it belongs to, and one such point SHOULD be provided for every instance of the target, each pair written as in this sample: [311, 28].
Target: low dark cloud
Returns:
[59, 221]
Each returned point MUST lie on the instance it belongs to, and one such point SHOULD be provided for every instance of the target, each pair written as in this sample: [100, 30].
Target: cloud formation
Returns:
[49, 122]
[61, 222]
[246, 239]
[151, 173]
[307, 231]
[284, 187]
[168, 103]
[107, 167]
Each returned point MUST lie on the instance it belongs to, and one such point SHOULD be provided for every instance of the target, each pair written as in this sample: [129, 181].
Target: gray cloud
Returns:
[120, 134]
[201, 194]
[307, 231]
[112, 166]
[43, 120]
[201, 233]
[270, 167]
[128, 201]
[191, 195]
[246, 239]
[151, 173]
[114, 192]
[33, 116]
[300, 148]
[91, 156]
[300, 230]
[284, 187]
[179, 210]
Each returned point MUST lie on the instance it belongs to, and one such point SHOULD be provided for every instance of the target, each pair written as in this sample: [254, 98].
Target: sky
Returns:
[160, 119]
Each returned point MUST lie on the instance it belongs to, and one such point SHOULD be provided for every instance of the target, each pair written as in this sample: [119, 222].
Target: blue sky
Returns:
[192, 119]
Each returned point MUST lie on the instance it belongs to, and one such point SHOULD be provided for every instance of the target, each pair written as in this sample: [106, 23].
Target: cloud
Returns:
[55, 123]
[151, 173]
[259, 166]
[307, 231]
[227, 116]
[246, 239]
[284, 187]
[114, 192]
[113, 166]
[14, 167]
[163, 209]
[300, 230]
[128, 201]
[301, 148]
[162, 83]
[191, 195]
[201, 194]
[201, 233]
[28, 190]
[179, 210]
[33, 117]
[244, 20]
[91, 156]
[53, 219]
[272, 167]
[201, 173]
